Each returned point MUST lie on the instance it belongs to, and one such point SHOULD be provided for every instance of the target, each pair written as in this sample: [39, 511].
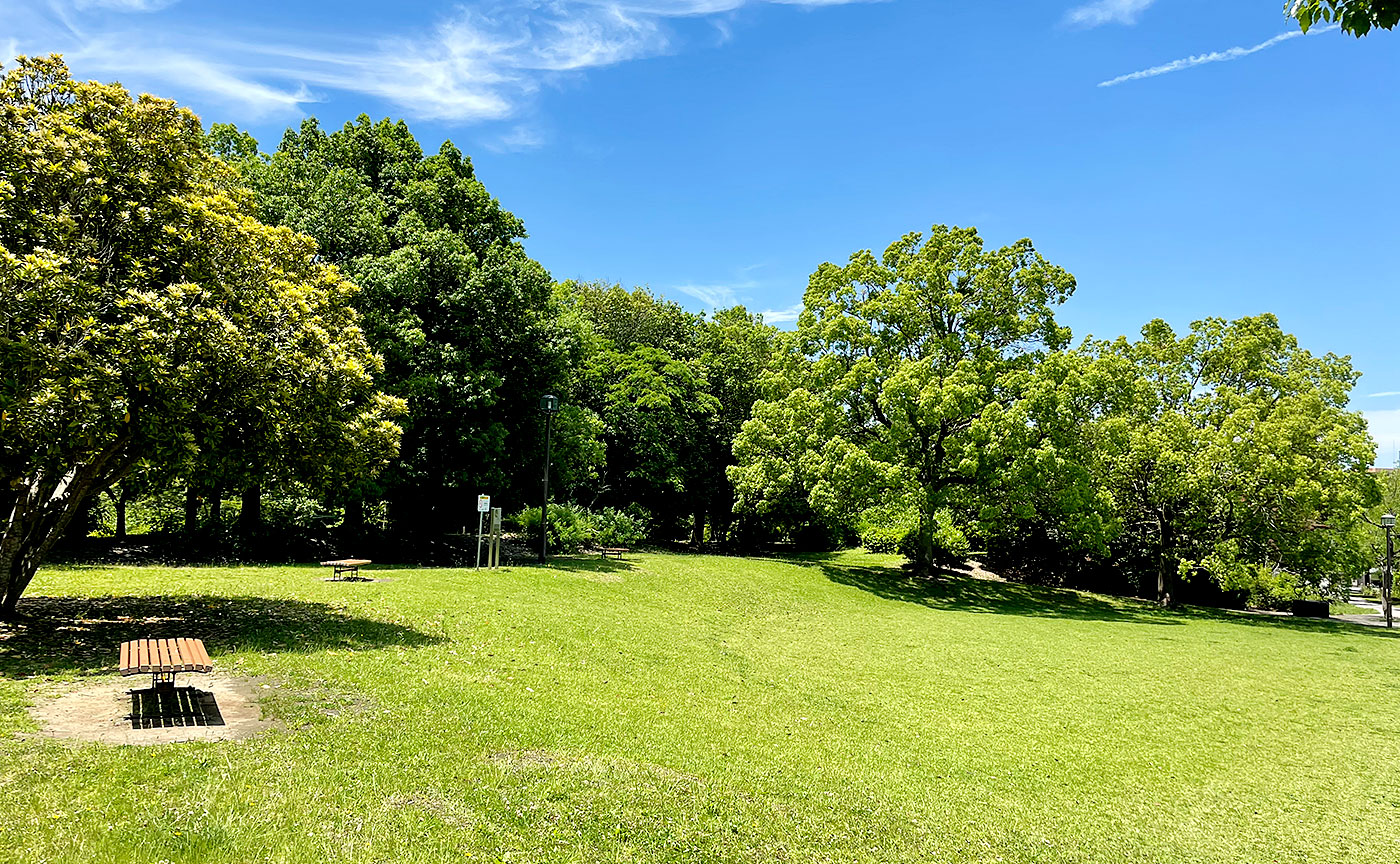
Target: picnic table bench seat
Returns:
[346, 565]
[163, 658]
[613, 551]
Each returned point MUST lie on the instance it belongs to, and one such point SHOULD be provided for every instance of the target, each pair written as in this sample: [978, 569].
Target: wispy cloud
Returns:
[1102, 12]
[714, 296]
[125, 5]
[520, 139]
[782, 316]
[1383, 393]
[483, 61]
[1213, 57]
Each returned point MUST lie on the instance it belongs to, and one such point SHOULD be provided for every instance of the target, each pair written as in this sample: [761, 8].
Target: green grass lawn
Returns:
[708, 709]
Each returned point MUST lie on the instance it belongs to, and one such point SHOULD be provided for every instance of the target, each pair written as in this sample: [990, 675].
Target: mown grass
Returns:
[672, 708]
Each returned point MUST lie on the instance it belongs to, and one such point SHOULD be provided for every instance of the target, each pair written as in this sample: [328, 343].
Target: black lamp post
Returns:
[550, 406]
[1387, 522]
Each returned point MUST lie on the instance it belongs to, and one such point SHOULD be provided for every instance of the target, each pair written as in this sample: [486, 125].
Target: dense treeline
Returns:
[347, 332]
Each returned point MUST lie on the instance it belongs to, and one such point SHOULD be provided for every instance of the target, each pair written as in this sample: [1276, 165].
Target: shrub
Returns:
[888, 528]
[573, 527]
[616, 528]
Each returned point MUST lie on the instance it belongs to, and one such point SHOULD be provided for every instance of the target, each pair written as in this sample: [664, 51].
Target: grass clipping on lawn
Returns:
[687, 708]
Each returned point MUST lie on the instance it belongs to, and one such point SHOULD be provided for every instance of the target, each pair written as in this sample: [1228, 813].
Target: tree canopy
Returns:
[1234, 456]
[461, 315]
[919, 359]
[146, 315]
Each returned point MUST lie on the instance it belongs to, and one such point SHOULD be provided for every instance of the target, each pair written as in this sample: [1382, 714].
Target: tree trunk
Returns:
[250, 514]
[353, 525]
[191, 509]
[37, 512]
[216, 512]
[697, 531]
[1164, 593]
[38, 517]
[119, 505]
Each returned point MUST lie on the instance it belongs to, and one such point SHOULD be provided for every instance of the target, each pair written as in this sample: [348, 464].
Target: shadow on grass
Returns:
[586, 564]
[84, 634]
[956, 591]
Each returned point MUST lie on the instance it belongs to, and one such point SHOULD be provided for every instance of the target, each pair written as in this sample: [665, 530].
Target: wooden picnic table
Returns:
[613, 551]
[346, 565]
[163, 658]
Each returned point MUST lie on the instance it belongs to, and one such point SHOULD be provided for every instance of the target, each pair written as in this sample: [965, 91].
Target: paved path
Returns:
[1375, 618]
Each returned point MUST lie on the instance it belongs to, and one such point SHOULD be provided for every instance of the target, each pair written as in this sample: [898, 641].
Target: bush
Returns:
[573, 527]
[886, 528]
[616, 528]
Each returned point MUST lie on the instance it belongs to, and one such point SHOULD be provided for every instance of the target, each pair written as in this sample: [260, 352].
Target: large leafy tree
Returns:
[145, 314]
[920, 360]
[461, 315]
[1357, 17]
[671, 389]
[640, 374]
[1235, 457]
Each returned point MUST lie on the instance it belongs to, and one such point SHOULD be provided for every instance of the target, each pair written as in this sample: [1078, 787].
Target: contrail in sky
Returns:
[1213, 57]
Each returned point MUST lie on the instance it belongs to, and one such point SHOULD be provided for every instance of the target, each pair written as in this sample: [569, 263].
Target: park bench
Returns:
[613, 551]
[163, 658]
[346, 565]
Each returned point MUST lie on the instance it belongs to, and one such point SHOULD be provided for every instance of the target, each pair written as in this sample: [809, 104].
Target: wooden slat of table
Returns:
[180, 654]
[189, 653]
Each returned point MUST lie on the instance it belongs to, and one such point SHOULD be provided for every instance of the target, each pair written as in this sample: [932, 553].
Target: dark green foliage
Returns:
[1357, 17]
[669, 389]
[458, 311]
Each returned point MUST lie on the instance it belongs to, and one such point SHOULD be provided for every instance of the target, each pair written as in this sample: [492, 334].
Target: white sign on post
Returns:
[483, 506]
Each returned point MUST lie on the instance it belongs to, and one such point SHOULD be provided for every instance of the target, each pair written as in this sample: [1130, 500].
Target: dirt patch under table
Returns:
[213, 707]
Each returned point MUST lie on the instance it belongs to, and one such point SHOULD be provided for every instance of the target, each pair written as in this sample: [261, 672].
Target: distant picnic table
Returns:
[613, 551]
[346, 565]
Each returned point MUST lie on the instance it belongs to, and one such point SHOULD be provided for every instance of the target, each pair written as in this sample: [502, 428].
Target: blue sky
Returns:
[1183, 158]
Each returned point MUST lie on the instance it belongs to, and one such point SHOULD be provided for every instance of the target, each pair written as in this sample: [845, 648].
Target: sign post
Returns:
[483, 506]
[493, 550]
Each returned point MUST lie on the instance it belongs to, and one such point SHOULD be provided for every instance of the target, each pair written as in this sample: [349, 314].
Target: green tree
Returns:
[1235, 457]
[144, 313]
[1357, 17]
[461, 315]
[920, 360]
[671, 388]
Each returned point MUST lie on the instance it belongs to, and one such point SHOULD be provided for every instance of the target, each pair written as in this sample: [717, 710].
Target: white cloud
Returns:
[517, 140]
[1102, 12]
[782, 316]
[713, 296]
[255, 99]
[483, 61]
[1212, 57]
[125, 5]
[1383, 393]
